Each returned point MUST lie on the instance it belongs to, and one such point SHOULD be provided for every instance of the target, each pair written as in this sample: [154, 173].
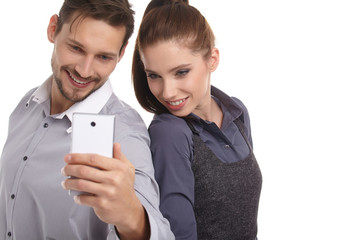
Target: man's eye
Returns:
[75, 48]
[105, 58]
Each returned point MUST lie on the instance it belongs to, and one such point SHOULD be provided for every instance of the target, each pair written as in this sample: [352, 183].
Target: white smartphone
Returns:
[92, 133]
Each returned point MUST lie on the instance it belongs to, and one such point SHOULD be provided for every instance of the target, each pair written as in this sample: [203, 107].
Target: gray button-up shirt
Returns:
[33, 204]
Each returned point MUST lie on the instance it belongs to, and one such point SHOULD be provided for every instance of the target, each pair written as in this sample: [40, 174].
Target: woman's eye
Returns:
[152, 76]
[182, 72]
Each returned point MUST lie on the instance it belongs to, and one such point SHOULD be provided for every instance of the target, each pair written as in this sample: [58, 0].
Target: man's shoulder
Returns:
[22, 104]
[116, 106]
[126, 117]
[28, 94]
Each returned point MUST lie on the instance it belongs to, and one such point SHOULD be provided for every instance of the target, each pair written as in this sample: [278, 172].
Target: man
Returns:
[89, 38]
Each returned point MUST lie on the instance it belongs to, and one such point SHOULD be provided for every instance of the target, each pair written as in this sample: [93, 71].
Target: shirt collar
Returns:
[92, 104]
[42, 93]
[230, 108]
[227, 102]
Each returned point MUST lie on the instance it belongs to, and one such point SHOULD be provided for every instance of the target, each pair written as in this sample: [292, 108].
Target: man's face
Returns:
[85, 54]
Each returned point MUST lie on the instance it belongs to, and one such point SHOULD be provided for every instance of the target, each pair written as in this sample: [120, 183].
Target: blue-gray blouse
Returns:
[171, 147]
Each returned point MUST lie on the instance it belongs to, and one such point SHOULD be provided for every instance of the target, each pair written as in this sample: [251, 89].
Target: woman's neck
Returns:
[211, 113]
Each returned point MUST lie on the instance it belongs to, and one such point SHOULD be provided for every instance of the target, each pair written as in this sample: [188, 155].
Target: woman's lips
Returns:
[176, 105]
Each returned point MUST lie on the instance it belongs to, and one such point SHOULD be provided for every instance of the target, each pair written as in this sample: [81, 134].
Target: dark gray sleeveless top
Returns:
[226, 194]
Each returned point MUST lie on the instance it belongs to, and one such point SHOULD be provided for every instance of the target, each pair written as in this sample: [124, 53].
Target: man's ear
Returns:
[122, 51]
[52, 27]
[214, 59]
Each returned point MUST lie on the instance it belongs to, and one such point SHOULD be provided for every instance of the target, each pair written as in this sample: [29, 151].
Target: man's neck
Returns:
[58, 103]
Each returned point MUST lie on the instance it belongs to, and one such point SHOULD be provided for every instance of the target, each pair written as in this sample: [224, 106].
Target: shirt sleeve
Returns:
[171, 147]
[133, 136]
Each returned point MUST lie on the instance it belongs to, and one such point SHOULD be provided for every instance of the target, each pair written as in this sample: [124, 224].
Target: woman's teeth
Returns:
[177, 102]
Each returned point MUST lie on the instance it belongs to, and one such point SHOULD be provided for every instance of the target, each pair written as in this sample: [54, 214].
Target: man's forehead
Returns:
[75, 20]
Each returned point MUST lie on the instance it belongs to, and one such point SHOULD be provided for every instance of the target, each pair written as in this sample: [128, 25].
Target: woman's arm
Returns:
[171, 147]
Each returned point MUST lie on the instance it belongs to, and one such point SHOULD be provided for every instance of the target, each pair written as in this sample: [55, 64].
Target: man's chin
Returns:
[74, 97]
[77, 99]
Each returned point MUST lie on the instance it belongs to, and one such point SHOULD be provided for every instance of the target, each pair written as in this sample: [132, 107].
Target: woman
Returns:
[209, 179]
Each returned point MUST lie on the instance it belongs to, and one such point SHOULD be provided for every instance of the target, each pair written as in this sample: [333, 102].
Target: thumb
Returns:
[117, 151]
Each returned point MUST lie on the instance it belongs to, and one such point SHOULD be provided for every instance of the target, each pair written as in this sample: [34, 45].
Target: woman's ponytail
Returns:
[159, 3]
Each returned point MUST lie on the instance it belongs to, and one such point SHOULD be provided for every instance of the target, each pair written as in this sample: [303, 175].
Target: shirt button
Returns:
[227, 146]
[25, 158]
[12, 196]
[9, 234]
[46, 125]
[26, 105]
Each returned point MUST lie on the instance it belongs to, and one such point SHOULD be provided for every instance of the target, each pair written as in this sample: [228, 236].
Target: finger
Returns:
[82, 171]
[85, 200]
[115, 179]
[111, 178]
[117, 151]
[92, 160]
[120, 156]
[89, 187]
[92, 201]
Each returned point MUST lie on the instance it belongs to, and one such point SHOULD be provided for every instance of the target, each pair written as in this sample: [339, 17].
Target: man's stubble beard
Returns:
[59, 84]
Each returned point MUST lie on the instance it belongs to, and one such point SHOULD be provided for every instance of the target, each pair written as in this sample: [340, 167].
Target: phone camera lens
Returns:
[93, 124]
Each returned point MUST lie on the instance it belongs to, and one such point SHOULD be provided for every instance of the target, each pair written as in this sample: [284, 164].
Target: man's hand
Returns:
[110, 184]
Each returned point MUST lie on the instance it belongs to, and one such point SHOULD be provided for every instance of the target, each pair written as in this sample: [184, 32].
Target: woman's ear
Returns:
[214, 59]
[52, 27]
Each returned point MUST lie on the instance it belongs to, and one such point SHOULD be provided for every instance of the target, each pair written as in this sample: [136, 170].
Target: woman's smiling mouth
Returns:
[176, 103]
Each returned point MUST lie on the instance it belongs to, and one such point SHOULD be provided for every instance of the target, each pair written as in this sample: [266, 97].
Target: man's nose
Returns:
[85, 68]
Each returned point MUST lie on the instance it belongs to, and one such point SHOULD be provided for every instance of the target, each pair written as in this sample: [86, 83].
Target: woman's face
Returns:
[178, 77]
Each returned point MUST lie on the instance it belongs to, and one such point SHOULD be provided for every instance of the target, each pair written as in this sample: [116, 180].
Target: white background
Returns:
[295, 64]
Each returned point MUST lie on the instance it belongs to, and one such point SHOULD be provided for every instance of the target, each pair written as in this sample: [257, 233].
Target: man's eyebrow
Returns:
[110, 54]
